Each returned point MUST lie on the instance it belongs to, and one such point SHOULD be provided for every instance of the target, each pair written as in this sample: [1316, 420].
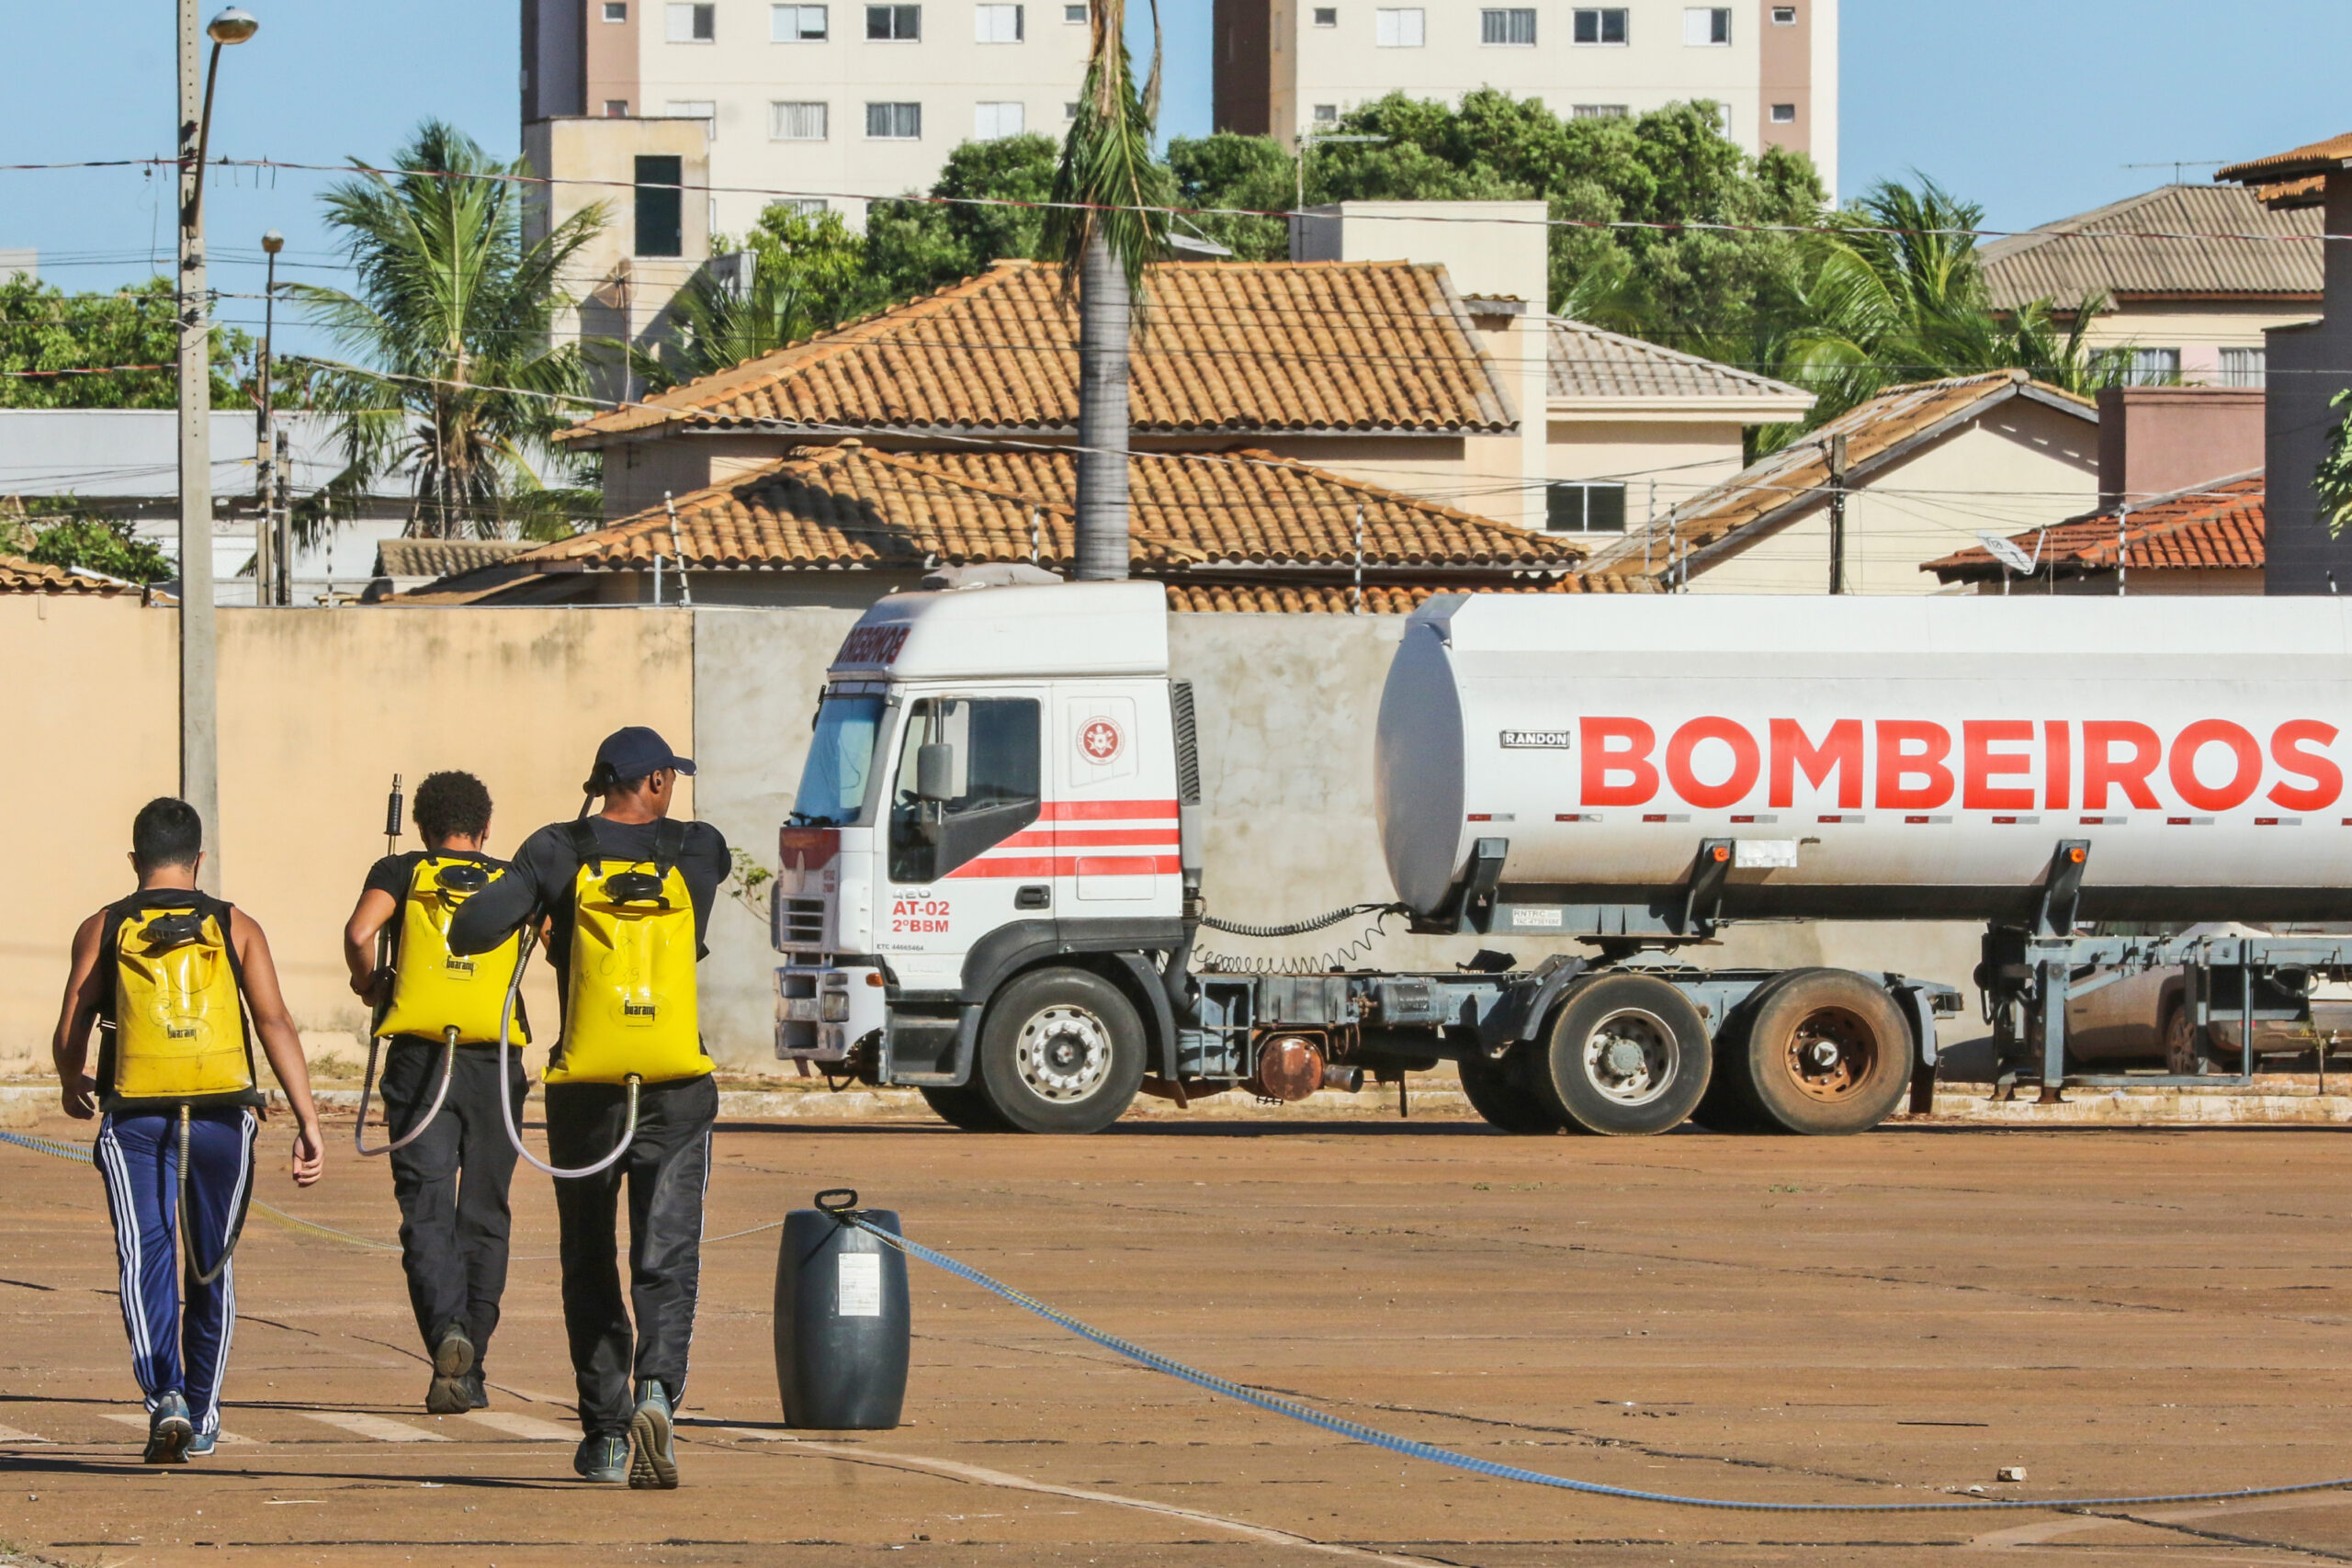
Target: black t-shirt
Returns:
[394, 874]
[546, 865]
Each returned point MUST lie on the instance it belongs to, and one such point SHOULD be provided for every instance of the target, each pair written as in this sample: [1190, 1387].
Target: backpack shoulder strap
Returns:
[110, 966]
[583, 842]
[669, 841]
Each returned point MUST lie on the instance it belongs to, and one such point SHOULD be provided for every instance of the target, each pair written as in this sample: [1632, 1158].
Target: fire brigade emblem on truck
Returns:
[1100, 741]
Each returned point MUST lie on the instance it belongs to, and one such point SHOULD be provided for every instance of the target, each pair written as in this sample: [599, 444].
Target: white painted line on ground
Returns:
[759, 1434]
[228, 1440]
[373, 1427]
[529, 1427]
[10, 1435]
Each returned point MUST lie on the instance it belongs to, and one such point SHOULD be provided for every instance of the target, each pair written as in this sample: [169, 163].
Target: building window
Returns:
[799, 24]
[701, 109]
[660, 208]
[1327, 16]
[893, 24]
[616, 10]
[615, 109]
[694, 24]
[1399, 28]
[1584, 506]
[1784, 114]
[997, 24]
[1069, 111]
[894, 122]
[1600, 111]
[2244, 368]
[1784, 15]
[1074, 13]
[991, 122]
[798, 122]
[1515, 28]
[2144, 367]
[1703, 26]
[1326, 114]
[1596, 24]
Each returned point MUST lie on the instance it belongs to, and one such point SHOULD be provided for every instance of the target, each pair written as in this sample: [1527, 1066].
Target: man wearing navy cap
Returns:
[668, 1162]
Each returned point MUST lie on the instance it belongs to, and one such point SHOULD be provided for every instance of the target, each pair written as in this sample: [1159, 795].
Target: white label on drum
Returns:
[861, 1285]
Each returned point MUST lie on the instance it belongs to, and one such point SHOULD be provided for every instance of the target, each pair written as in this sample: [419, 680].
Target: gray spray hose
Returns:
[506, 1087]
[187, 1220]
[367, 1084]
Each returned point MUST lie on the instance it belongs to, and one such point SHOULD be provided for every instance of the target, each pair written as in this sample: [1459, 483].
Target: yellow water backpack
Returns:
[435, 989]
[630, 1006]
[176, 1016]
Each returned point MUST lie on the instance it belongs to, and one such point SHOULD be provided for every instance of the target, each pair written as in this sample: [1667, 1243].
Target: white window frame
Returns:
[1706, 27]
[1600, 111]
[2244, 367]
[782, 110]
[615, 109]
[1600, 39]
[1784, 114]
[690, 14]
[1326, 114]
[894, 9]
[1320, 12]
[894, 105]
[615, 11]
[1074, 16]
[1508, 14]
[703, 109]
[987, 20]
[991, 117]
[788, 24]
[1784, 15]
[1400, 27]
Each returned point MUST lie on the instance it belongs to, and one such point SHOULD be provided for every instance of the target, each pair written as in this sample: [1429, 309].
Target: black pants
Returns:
[451, 1184]
[667, 1167]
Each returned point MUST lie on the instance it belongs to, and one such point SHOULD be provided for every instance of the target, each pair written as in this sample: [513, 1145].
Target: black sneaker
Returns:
[604, 1459]
[169, 1430]
[452, 1359]
[654, 1466]
[477, 1392]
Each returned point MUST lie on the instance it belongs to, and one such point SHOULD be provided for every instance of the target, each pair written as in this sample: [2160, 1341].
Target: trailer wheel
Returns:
[1826, 1052]
[1627, 1056]
[964, 1106]
[1498, 1092]
[2189, 1050]
[1061, 1050]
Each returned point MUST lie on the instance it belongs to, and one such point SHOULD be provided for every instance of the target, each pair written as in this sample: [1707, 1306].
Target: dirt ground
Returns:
[1883, 1319]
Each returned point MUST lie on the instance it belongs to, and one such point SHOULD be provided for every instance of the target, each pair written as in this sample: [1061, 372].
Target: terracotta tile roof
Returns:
[1333, 599]
[2215, 526]
[2160, 243]
[1792, 480]
[18, 575]
[2316, 158]
[1228, 346]
[442, 558]
[1585, 362]
[853, 505]
[2288, 195]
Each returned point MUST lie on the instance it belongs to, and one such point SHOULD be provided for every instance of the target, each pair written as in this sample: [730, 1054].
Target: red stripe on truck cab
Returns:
[1034, 868]
[1106, 810]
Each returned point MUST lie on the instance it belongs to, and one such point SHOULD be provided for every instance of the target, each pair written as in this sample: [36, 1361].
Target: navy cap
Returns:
[631, 753]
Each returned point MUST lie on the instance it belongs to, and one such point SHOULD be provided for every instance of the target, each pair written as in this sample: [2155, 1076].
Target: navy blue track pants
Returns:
[179, 1331]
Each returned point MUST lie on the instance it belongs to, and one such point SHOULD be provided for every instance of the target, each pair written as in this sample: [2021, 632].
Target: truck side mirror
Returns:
[935, 770]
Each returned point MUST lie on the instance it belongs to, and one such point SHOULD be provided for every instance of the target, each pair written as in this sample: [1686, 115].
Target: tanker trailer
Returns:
[993, 874]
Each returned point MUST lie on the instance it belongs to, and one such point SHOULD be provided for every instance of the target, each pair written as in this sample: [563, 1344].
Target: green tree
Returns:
[45, 330]
[913, 246]
[1251, 174]
[807, 276]
[452, 373]
[59, 531]
[2333, 479]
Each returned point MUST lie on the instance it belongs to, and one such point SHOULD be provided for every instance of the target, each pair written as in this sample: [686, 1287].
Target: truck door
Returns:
[1113, 811]
[968, 859]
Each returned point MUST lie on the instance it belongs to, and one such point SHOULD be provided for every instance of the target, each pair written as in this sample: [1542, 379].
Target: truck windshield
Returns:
[832, 783]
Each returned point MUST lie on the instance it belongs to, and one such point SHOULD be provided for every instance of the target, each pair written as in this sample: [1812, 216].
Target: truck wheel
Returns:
[2189, 1050]
[1061, 1050]
[966, 1107]
[1498, 1092]
[1826, 1052]
[1627, 1056]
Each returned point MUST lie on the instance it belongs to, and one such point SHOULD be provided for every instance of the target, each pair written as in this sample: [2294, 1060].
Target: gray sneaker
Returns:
[169, 1430]
[604, 1459]
[452, 1359]
[202, 1444]
[653, 1467]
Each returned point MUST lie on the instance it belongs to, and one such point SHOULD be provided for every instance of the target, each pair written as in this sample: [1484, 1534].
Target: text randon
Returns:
[1993, 764]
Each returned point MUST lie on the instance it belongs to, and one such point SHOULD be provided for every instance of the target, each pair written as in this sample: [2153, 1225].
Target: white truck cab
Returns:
[993, 784]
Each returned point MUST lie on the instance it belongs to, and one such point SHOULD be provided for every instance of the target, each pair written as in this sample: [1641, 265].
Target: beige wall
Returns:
[2201, 330]
[318, 709]
[1683, 457]
[2022, 465]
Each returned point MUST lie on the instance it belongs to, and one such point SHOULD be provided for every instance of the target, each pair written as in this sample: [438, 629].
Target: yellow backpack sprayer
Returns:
[629, 1013]
[432, 990]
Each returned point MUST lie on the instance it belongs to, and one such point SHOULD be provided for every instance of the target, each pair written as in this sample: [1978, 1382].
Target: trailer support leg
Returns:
[2051, 969]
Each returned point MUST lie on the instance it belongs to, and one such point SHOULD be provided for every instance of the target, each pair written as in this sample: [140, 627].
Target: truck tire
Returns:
[1498, 1092]
[2189, 1050]
[966, 1107]
[1627, 1056]
[1821, 1052]
[1061, 1050]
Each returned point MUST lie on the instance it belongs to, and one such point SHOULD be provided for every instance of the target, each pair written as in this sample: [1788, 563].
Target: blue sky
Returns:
[2031, 106]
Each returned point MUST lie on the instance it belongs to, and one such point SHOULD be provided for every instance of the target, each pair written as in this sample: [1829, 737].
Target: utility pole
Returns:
[1836, 514]
[282, 524]
[266, 572]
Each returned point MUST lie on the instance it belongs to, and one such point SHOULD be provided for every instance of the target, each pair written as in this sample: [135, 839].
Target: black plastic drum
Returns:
[840, 1323]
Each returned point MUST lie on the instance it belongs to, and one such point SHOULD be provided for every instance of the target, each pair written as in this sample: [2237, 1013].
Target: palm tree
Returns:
[1108, 220]
[452, 372]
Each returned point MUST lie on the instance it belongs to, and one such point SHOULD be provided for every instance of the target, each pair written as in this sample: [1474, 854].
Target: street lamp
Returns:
[199, 648]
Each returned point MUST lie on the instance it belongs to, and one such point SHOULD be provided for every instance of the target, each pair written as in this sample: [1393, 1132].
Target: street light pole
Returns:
[268, 569]
[199, 649]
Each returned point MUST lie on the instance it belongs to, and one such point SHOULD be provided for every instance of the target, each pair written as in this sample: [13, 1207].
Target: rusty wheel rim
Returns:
[1831, 1054]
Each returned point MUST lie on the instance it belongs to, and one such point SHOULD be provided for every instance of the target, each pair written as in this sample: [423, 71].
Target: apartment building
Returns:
[828, 103]
[1287, 66]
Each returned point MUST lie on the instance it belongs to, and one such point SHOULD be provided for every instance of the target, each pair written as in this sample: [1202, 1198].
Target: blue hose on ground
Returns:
[1435, 1455]
[75, 1152]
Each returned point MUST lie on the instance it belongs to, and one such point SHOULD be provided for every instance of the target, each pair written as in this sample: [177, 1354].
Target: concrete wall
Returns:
[2309, 365]
[2156, 440]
